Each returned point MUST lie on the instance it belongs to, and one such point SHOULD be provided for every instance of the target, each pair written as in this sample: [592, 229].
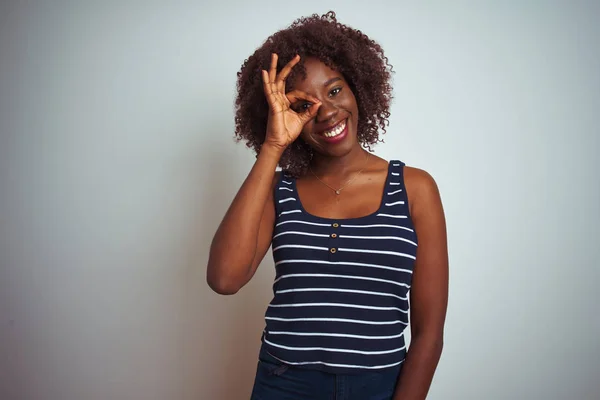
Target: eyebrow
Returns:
[329, 82]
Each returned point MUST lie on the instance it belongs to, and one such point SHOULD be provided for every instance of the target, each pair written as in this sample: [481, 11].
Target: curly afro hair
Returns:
[349, 51]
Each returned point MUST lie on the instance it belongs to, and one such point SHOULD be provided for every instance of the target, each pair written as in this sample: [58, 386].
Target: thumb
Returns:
[310, 113]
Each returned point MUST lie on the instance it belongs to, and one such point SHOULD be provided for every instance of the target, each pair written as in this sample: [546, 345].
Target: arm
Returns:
[429, 291]
[244, 235]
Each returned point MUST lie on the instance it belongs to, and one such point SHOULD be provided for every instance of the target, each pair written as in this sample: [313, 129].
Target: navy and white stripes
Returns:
[341, 288]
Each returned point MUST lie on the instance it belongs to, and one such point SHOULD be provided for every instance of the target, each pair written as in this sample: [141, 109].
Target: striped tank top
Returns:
[341, 285]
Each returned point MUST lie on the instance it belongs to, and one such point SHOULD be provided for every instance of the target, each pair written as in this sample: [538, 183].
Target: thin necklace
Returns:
[339, 190]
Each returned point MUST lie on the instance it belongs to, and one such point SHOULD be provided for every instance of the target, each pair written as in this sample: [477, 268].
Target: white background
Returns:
[117, 163]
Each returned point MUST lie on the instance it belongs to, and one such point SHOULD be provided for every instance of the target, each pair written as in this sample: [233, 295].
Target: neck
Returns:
[340, 167]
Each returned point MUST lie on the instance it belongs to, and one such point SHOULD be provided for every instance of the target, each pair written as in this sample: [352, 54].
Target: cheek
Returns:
[354, 104]
[350, 104]
[306, 136]
[355, 111]
[306, 130]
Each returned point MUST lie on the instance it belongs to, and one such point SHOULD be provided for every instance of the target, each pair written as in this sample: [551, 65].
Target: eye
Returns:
[335, 91]
[302, 107]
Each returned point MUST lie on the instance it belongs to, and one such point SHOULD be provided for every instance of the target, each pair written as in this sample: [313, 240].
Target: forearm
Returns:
[418, 368]
[235, 242]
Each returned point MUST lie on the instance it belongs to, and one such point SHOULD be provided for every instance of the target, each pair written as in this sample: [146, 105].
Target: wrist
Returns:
[271, 150]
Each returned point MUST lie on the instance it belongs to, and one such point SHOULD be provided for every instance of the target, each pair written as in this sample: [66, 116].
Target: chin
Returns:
[335, 150]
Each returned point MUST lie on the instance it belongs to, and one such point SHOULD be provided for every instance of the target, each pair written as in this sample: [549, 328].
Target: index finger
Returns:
[297, 95]
[285, 72]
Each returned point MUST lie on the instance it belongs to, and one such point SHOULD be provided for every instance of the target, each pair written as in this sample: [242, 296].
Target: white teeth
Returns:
[336, 131]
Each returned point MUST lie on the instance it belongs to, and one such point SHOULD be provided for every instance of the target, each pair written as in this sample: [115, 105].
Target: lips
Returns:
[336, 133]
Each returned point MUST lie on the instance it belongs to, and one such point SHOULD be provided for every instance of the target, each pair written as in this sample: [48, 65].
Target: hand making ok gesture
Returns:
[284, 123]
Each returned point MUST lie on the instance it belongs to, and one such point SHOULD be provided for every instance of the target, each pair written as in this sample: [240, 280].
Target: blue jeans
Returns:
[278, 381]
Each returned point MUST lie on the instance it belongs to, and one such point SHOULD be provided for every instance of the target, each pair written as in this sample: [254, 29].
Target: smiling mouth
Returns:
[336, 130]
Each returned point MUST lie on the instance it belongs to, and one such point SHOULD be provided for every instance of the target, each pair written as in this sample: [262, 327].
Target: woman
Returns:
[351, 233]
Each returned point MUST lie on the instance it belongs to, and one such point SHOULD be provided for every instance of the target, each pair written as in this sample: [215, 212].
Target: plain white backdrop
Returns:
[117, 163]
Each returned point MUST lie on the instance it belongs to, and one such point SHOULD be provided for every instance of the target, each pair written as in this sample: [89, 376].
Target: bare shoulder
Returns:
[421, 188]
[419, 181]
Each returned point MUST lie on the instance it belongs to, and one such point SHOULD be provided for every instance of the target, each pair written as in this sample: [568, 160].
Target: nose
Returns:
[326, 112]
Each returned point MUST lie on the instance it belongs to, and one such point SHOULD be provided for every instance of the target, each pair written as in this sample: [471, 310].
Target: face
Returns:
[333, 132]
